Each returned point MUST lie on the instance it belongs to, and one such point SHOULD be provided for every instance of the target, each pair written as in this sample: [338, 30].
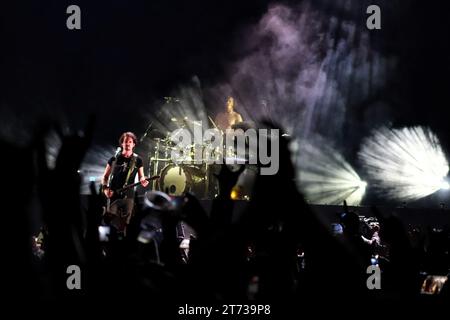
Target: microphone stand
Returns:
[146, 132]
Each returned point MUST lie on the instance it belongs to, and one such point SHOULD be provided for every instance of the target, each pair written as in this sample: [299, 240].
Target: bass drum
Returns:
[178, 179]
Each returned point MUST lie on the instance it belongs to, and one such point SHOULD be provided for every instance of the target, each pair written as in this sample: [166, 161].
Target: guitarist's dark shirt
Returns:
[120, 172]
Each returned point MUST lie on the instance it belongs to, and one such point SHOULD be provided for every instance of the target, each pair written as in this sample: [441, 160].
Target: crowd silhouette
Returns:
[277, 251]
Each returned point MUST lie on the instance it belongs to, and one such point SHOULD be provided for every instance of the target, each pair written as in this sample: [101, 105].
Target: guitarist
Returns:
[120, 171]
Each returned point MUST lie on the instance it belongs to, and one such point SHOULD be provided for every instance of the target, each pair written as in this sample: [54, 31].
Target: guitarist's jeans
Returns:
[120, 213]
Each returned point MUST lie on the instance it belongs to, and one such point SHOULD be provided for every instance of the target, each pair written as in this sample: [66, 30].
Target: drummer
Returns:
[225, 120]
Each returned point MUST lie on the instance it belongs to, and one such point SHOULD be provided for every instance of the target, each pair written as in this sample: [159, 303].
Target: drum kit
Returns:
[188, 172]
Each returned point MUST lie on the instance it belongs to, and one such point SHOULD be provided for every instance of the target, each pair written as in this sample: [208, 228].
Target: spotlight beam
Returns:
[404, 164]
[325, 177]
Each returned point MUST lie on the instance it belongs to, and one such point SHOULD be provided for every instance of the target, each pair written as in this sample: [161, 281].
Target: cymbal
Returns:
[244, 125]
[195, 122]
[234, 160]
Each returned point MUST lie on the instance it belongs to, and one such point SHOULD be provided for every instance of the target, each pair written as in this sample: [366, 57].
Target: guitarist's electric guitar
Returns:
[120, 193]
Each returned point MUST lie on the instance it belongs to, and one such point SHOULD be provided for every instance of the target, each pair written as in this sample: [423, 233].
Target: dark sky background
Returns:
[130, 54]
[127, 54]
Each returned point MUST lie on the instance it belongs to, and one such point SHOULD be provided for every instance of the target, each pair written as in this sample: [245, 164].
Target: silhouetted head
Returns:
[158, 200]
[350, 222]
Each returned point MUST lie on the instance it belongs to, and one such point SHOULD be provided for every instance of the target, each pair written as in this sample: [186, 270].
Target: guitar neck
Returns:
[128, 186]
[132, 185]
